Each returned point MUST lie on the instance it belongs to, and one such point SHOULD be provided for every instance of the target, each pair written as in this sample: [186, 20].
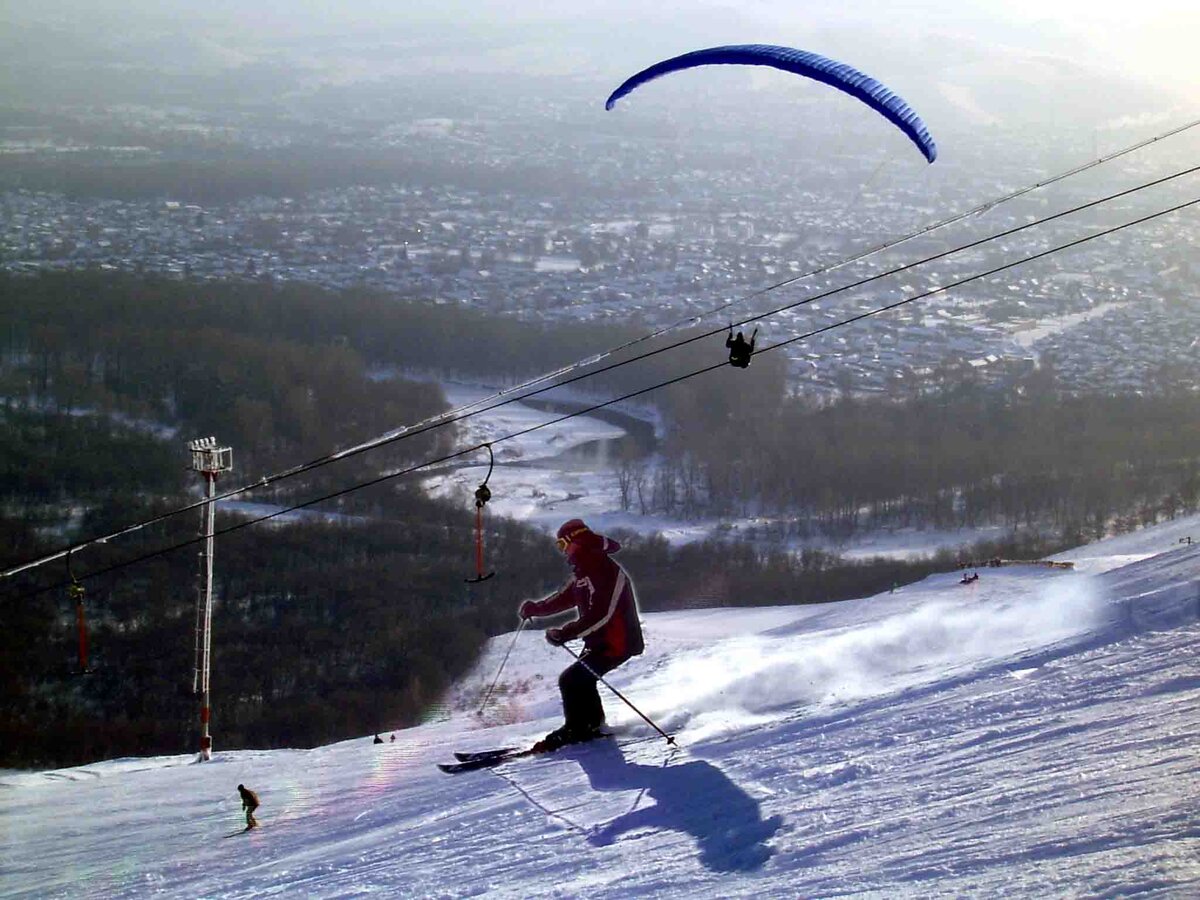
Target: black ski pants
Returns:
[580, 697]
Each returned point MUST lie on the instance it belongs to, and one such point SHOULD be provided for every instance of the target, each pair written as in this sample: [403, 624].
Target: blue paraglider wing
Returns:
[801, 62]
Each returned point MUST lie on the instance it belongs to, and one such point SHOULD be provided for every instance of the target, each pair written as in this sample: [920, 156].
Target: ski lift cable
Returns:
[1012, 264]
[464, 411]
[453, 416]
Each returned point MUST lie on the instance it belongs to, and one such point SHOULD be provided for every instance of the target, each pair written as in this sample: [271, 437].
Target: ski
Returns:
[483, 754]
[484, 761]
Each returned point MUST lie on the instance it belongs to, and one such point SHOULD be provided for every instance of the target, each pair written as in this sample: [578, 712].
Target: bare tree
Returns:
[625, 471]
[638, 478]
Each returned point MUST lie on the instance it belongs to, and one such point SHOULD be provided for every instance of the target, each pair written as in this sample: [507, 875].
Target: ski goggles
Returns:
[564, 542]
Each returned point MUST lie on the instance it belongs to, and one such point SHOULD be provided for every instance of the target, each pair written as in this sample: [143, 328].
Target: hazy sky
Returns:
[1156, 39]
[1157, 36]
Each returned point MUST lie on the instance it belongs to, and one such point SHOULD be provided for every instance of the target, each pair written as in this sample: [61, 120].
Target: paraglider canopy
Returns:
[801, 62]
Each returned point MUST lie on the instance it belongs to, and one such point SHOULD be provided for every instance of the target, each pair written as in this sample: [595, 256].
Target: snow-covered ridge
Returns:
[1030, 734]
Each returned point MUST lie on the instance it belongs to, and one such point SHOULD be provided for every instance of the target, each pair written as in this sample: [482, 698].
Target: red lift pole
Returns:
[77, 594]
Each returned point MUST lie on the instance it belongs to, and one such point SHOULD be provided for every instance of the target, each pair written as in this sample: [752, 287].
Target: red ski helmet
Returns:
[571, 531]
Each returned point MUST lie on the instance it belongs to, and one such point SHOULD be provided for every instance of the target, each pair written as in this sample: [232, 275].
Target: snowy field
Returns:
[1032, 734]
[535, 481]
[532, 483]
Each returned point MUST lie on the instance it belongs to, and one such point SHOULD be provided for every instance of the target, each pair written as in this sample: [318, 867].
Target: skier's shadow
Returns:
[694, 797]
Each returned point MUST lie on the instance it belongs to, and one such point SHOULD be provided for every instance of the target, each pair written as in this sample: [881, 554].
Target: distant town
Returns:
[1120, 314]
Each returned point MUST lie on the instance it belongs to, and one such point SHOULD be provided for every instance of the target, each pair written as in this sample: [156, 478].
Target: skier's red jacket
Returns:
[604, 595]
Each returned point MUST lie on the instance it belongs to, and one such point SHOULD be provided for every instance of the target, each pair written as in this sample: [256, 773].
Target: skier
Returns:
[739, 350]
[249, 804]
[378, 740]
[604, 598]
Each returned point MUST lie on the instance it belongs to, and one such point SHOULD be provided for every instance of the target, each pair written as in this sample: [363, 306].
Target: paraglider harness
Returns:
[739, 350]
[482, 495]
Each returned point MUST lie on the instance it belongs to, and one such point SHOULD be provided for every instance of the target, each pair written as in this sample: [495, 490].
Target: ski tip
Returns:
[484, 761]
[468, 756]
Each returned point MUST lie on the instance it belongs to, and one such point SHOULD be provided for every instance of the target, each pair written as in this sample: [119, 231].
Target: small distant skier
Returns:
[249, 804]
[740, 350]
[378, 740]
[603, 596]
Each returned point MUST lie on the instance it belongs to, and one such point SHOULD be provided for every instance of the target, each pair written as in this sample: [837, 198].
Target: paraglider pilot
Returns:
[603, 596]
[739, 350]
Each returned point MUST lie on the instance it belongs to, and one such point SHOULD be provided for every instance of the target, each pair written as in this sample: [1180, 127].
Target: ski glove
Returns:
[525, 610]
[556, 637]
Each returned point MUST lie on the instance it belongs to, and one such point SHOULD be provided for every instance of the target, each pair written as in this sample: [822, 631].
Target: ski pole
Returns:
[496, 680]
[599, 678]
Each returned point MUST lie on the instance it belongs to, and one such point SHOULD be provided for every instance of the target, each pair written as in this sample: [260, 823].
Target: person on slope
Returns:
[249, 804]
[603, 595]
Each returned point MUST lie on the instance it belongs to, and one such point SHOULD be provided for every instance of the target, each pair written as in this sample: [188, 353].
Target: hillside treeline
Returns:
[174, 356]
[322, 631]
[325, 629]
[1023, 458]
[229, 177]
[52, 313]
[288, 372]
[332, 628]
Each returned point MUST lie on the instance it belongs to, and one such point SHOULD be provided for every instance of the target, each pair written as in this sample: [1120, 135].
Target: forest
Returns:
[222, 175]
[356, 621]
[1032, 458]
[330, 627]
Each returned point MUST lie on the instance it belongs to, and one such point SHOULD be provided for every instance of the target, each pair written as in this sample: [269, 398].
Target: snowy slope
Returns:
[1032, 734]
